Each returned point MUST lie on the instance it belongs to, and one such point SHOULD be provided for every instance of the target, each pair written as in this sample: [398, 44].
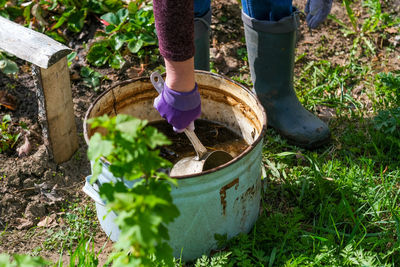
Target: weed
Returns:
[71, 57]
[129, 29]
[22, 260]
[8, 139]
[376, 21]
[218, 260]
[7, 65]
[241, 79]
[91, 78]
[242, 53]
[83, 255]
[387, 90]
[388, 122]
[80, 223]
[322, 83]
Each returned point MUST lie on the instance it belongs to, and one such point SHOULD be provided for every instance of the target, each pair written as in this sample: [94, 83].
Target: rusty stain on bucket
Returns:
[222, 193]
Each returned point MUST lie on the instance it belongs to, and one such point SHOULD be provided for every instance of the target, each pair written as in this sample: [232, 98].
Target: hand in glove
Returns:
[180, 109]
[317, 11]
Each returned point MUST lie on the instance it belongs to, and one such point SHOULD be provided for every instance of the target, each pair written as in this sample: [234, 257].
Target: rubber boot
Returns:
[202, 42]
[270, 47]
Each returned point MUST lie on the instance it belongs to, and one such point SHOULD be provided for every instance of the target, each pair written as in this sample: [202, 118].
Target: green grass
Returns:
[80, 224]
[338, 205]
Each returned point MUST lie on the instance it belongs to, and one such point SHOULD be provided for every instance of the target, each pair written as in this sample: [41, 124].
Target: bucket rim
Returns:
[234, 160]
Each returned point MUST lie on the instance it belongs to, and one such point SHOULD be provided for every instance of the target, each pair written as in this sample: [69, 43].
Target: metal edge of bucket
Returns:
[145, 78]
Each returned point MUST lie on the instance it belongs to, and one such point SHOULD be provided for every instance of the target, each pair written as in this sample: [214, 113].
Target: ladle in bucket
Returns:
[204, 160]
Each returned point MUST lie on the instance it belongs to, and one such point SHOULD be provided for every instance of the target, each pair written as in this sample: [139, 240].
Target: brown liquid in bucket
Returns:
[213, 136]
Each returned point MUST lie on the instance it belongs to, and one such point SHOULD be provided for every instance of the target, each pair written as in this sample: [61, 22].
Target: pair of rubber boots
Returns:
[270, 48]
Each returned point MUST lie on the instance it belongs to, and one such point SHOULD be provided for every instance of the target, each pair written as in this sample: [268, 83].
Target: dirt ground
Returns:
[34, 187]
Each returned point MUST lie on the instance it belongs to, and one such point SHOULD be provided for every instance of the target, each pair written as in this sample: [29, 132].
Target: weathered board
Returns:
[59, 110]
[50, 69]
[32, 46]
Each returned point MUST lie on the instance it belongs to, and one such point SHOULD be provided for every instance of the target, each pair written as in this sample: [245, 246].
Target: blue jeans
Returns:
[259, 9]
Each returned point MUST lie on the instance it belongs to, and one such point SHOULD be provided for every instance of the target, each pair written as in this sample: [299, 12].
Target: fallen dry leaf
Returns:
[48, 221]
[24, 223]
[25, 148]
[392, 30]
[7, 100]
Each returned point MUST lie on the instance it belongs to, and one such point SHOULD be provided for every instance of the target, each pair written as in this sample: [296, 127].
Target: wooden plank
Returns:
[60, 119]
[30, 45]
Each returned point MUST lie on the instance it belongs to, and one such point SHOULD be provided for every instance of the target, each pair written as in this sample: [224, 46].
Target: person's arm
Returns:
[179, 103]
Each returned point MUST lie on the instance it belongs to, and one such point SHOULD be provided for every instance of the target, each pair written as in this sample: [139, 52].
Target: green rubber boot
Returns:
[202, 42]
[270, 47]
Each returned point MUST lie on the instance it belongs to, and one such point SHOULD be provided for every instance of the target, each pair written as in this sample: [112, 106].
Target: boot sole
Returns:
[309, 146]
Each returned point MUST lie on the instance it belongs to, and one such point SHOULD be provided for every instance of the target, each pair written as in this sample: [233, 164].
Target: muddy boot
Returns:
[270, 47]
[202, 42]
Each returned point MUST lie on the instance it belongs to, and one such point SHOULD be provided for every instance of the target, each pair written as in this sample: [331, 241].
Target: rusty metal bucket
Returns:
[222, 200]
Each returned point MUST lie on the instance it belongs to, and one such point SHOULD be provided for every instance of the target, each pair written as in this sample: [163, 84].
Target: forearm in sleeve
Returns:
[175, 28]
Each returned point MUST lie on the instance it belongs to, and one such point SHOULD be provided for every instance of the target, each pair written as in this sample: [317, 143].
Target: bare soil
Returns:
[33, 187]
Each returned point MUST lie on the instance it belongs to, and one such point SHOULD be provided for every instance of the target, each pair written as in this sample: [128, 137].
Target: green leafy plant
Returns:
[143, 210]
[10, 10]
[387, 89]
[80, 224]
[362, 30]
[53, 16]
[128, 30]
[7, 66]
[22, 261]
[8, 139]
[91, 78]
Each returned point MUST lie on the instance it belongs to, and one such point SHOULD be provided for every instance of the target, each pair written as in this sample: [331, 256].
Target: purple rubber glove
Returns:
[180, 109]
[317, 11]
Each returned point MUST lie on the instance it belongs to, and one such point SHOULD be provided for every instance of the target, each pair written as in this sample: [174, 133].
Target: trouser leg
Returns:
[202, 21]
[270, 45]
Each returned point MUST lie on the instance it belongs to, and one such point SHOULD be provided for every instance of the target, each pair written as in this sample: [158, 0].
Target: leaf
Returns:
[99, 147]
[284, 154]
[122, 15]
[155, 138]
[29, 261]
[119, 40]
[71, 57]
[60, 22]
[111, 18]
[350, 14]
[110, 28]
[7, 100]
[77, 20]
[164, 253]
[116, 61]
[102, 121]
[8, 67]
[130, 127]
[135, 46]
[147, 39]
[132, 7]
[7, 118]
[98, 54]
[86, 71]
[26, 147]
[56, 36]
